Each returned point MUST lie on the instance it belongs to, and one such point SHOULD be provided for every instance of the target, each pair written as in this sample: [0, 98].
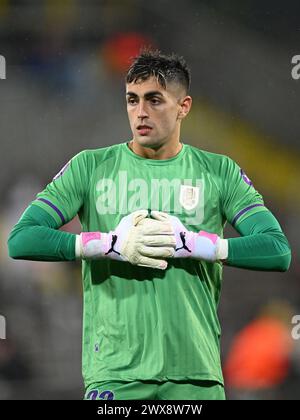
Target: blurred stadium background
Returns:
[64, 92]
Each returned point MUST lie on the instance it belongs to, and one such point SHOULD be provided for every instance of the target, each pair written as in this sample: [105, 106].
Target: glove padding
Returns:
[201, 245]
[137, 239]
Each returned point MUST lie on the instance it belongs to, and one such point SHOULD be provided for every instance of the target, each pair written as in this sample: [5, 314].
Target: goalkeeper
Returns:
[153, 211]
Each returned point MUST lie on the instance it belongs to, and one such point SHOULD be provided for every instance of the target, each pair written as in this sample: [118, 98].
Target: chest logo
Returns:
[188, 196]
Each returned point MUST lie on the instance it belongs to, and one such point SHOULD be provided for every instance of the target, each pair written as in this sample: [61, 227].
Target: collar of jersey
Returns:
[155, 161]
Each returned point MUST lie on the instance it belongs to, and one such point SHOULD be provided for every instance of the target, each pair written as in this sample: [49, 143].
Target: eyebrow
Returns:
[147, 95]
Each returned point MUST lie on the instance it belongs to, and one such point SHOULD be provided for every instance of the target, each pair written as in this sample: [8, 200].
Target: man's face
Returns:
[154, 112]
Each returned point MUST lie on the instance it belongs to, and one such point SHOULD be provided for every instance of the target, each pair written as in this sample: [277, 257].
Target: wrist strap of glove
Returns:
[210, 247]
[91, 245]
[222, 250]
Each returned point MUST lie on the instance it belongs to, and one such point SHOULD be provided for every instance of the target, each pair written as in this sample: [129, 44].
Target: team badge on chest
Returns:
[189, 196]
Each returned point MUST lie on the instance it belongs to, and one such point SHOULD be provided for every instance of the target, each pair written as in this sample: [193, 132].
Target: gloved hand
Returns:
[202, 245]
[137, 239]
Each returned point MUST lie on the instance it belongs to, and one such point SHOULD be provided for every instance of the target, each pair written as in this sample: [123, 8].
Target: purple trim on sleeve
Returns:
[244, 211]
[54, 208]
[245, 178]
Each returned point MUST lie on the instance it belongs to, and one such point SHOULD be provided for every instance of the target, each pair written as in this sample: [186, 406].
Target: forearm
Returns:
[263, 251]
[263, 245]
[136, 240]
[35, 237]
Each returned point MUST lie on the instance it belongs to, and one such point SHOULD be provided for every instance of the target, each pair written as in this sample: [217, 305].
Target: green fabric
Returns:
[141, 323]
[35, 237]
[263, 246]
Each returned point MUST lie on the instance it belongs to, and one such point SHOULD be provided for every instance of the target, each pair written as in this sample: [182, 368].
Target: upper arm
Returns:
[239, 197]
[65, 195]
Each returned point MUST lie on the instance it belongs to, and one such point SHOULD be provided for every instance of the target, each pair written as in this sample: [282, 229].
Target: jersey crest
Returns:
[189, 196]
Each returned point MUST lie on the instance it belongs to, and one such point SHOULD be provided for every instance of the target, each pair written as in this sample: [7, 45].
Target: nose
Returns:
[142, 110]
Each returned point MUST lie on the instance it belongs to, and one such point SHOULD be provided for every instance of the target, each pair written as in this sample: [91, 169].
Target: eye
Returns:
[155, 101]
[131, 101]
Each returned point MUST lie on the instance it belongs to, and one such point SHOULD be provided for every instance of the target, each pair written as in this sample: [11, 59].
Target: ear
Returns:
[185, 105]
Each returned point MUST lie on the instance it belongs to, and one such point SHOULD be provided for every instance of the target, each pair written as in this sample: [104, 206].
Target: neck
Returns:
[166, 151]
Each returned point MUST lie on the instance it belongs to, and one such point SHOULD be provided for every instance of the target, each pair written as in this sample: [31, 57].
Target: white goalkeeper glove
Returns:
[137, 239]
[202, 245]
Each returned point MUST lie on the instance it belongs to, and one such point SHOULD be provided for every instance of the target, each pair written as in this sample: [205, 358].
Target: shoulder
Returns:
[98, 156]
[211, 161]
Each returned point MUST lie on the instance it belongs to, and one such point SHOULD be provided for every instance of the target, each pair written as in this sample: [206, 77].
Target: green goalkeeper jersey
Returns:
[141, 323]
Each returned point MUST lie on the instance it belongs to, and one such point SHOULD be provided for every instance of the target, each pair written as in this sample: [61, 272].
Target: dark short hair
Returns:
[165, 68]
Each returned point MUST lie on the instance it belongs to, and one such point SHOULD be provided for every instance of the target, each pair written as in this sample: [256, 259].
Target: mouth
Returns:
[144, 130]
